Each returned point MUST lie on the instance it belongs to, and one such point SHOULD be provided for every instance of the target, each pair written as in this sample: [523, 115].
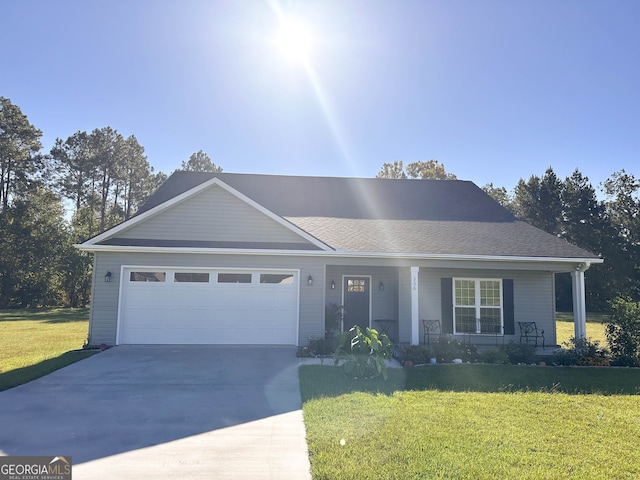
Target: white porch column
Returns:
[579, 302]
[415, 304]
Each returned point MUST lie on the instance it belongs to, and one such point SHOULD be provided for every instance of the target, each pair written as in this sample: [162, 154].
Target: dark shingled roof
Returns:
[362, 198]
[391, 216]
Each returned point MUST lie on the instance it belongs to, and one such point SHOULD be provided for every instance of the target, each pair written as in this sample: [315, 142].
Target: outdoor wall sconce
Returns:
[381, 286]
[107, 277]
[333, 285]
[310, 280]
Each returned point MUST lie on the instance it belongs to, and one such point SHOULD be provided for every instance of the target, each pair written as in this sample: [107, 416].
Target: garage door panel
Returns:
[208, 313]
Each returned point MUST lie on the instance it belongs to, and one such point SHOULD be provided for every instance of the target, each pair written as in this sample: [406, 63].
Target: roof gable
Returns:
[210, 215]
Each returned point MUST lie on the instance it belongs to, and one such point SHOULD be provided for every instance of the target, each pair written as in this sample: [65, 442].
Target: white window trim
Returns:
[478, 305]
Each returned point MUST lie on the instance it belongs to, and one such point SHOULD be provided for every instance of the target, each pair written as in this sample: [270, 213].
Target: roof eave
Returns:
[587, 261]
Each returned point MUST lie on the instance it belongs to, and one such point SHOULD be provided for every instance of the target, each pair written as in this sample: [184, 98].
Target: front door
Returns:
[356, 302]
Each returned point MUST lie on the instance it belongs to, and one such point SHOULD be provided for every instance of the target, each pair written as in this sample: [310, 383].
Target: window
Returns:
[147, 276]
[356, 286]
[277, 278]
[478, 306]
[191, 277]
[234, 278]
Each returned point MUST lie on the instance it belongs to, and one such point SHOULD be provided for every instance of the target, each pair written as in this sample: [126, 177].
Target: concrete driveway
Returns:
[165, 412]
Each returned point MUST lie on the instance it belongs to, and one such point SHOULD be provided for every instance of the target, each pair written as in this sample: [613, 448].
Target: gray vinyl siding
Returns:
[533, 290]
[534, 297]
[104, 308]
[213, 215]
[104, 301]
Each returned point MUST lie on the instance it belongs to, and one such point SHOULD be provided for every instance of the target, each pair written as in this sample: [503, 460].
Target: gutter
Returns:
[583, 262]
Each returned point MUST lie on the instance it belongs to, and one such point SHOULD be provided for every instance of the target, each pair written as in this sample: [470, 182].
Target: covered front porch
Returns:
[482, 303]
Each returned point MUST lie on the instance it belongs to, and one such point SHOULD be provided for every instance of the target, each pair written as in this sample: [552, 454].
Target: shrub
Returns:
[583, 352]
[593, 362]
[364, 352]
[494, 356]
[623, 330]
[303, 352]
[564, 358]
[332, 319]
[416, 354]
[322, 346]
[447, 348]
[520, 353]
[625, 361]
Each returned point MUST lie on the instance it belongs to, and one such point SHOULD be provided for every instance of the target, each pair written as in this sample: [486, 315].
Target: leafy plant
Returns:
[364, 352]
[623, 331]
[520, 353]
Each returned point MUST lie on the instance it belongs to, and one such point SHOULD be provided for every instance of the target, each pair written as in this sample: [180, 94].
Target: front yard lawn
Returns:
[473, 422]
[595, 327]
[36, 342]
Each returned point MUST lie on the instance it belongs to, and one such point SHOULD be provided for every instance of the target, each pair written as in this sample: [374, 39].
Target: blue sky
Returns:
[496, 90]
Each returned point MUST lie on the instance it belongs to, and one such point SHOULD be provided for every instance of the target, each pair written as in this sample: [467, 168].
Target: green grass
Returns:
[473, 422]
[39, 341]
[595, 327]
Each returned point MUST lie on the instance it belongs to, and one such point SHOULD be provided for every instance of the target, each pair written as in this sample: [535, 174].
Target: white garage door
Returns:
[189, 306]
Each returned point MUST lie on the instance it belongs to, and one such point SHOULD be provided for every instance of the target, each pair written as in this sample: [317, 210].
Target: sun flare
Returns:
[294, 41]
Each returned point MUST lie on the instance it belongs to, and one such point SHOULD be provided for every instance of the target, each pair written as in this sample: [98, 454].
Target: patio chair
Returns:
[432, 328]
[529, 332]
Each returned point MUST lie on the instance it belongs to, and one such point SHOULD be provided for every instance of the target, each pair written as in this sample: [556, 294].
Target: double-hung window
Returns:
[477, 306]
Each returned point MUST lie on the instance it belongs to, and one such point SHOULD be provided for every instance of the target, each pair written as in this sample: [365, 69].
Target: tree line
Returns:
[92, 181]
[571, 209]
[50, 201]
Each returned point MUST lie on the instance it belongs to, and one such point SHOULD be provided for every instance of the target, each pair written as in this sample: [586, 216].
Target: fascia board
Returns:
[337, 254]
[194, 191]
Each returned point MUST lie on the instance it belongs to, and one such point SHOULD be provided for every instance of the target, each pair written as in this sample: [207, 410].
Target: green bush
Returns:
[364, 352]
[625, 361]
[582, 351]
[494, 356]
[520, 353]
[322, 346]
[416, 354]
[448, 348]
[623, 331]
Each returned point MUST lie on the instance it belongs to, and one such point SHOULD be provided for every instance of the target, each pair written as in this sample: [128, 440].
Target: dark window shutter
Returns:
[446, 291]
[508, 309]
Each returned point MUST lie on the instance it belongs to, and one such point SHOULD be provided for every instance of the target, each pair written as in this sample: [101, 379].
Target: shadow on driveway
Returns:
[134, 397]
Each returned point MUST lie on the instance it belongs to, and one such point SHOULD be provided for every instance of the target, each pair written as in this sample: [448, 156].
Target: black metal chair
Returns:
[529, 332]
[432, 328]
[387, 327]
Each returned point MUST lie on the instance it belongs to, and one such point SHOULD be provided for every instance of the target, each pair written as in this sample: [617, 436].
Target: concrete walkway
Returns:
[165, 412]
